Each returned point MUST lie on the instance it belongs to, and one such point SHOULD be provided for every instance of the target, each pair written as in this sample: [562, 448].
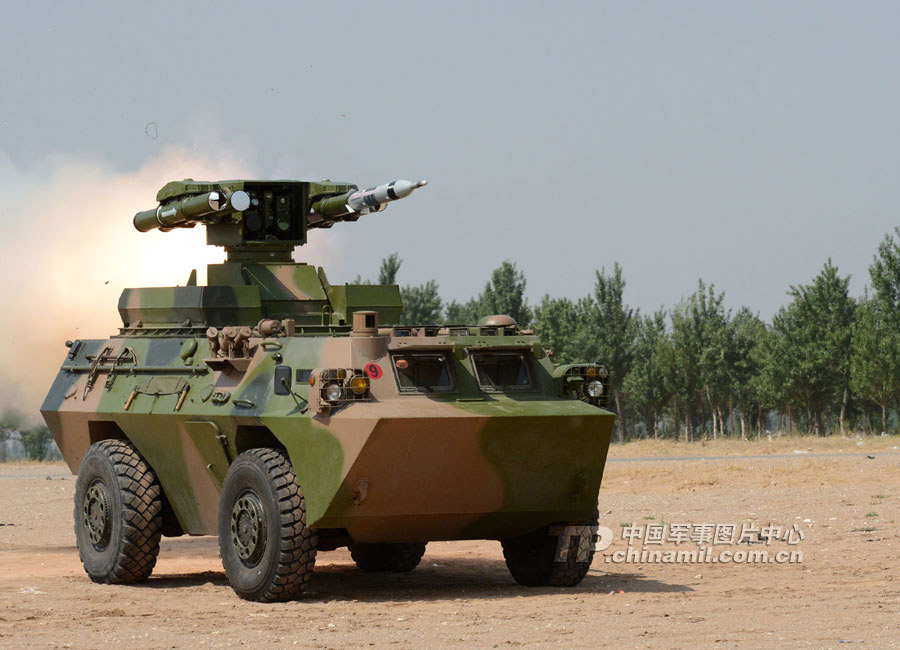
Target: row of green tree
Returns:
[827, 361]
[35, 442]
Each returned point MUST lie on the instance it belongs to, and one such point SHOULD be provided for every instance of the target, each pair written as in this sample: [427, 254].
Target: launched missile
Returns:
[374, 198]
[357, 202]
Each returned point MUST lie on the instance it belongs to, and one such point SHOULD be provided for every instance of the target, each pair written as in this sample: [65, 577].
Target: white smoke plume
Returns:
[68, 248]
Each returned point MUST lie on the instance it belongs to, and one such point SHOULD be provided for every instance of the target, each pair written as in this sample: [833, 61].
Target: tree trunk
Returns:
[677, 420]
[619, 432]
[884, 416]
[759, 422]
[790, 420]
[743, 428]
[731, 416]
[655, 424]
[702, 415]
[844, 409]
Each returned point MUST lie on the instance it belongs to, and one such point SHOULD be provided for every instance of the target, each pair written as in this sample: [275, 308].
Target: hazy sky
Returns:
[741, 143]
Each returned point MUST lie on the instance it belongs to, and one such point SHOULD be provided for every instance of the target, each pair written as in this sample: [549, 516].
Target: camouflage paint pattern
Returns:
[392, 467]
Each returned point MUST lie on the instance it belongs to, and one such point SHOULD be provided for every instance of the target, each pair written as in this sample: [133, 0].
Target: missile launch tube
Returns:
[191, 210]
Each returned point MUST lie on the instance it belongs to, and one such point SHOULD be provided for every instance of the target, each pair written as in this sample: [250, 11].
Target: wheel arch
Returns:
[104, 430]
[253, 436]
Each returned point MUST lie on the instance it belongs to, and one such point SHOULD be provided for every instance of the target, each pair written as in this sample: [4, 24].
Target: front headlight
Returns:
[333, 392]
[593, 389]
[359, 385]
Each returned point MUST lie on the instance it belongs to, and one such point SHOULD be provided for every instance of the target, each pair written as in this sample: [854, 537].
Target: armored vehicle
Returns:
[287, 414]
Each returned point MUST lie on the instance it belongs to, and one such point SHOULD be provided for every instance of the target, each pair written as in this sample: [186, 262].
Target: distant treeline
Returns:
[827, 361]
[18, 442]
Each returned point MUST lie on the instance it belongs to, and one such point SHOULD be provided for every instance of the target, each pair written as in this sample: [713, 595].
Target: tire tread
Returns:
[297, 553]
[531, 559]
[138, 547]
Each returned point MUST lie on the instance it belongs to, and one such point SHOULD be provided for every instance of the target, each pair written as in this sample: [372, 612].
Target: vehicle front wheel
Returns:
[397, 558]
[118, 516]
[553, 556]
[267, 549]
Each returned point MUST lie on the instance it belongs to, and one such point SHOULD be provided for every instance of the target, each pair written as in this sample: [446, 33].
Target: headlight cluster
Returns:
[337, 385]
[583, 381]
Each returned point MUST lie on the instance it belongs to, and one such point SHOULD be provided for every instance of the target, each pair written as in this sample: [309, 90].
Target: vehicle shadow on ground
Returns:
[461, 578]
[447, 579]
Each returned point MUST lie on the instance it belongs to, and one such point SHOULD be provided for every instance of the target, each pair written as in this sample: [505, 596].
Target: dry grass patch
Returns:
[24, 466]
[674, 476]
[785, 444]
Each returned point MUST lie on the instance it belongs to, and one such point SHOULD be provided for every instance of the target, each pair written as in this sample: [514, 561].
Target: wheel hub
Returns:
[248, 528]
[95, 514]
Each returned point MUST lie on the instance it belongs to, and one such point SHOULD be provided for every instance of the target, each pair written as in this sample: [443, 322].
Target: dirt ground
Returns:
[845, 590]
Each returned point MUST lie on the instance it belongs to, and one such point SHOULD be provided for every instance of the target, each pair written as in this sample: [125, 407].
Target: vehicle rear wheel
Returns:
[553, 556]
[397, 558]
[267, 549]
[118, 517]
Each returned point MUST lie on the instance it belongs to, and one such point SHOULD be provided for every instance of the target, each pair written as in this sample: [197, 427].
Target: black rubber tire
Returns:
[532, 558]
[128, 550]
[288, 555]
[396, 558]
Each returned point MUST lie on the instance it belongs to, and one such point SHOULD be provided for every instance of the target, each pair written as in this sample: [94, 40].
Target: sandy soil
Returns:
[845, 590]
